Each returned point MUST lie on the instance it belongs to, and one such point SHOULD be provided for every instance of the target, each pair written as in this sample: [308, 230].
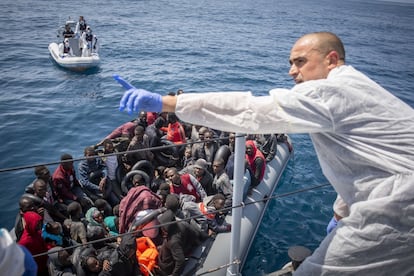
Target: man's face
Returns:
[40, 189]
[139, 135]
[174, 177]
[109, 148]
[44, 175]
[93, 264]
[67, 165]
[217, 167]
[249, 150]
[198, 172]
[307, 63]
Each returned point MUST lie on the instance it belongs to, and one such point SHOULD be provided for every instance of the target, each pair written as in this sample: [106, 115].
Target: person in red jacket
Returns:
[67, 186]
[33, 241]
[185, 184]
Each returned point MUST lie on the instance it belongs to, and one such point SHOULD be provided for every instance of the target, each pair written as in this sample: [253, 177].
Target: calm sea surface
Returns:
[197, 46]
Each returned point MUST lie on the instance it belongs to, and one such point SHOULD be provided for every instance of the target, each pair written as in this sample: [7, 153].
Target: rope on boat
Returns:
[242, 205]
[237, 261]
[163, 147]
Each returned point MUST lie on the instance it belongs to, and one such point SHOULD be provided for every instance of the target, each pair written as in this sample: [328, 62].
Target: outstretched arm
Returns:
[135, 100]
[169, 103]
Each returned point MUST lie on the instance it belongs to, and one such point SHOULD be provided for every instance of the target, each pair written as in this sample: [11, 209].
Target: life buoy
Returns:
[223, 152]
[127, 180]
[147, 255]
[146, 166]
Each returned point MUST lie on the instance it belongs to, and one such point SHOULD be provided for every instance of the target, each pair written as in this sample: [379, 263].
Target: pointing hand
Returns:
[135, 100]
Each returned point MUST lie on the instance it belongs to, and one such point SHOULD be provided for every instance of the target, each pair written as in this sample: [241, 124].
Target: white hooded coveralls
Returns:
[364, 139]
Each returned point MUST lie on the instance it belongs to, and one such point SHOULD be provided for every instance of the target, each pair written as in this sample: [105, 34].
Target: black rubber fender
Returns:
[146, 166]
[167, 156]
[37, 201]
[147, 218]
[127, 180]
[223, 152]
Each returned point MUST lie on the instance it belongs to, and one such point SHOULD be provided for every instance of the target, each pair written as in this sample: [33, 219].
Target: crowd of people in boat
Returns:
[152, 170]
[85, 41]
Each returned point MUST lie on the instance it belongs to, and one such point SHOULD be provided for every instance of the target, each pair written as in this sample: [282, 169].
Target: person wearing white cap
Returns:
[202, 174]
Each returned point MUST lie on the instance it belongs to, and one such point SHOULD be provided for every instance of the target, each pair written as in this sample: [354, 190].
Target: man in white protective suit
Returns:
[362, 134]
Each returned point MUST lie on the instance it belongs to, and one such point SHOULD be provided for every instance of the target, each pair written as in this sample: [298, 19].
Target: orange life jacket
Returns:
[205, 211]
[147, 255]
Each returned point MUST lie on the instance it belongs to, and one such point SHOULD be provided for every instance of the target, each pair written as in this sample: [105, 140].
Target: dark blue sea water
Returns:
[197, 46]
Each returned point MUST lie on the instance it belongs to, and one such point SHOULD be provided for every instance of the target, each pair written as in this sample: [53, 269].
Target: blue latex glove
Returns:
[136, 100]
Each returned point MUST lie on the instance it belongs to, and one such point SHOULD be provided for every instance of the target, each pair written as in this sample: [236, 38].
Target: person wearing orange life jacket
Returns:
[175, 131]
[256, 162]
[147, 255]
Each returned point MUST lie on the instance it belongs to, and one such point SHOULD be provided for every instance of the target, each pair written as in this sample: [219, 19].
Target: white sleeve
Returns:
[199, 188]
[282, 111]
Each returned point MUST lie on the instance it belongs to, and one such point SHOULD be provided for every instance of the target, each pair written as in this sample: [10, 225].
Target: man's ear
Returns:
[333, 59]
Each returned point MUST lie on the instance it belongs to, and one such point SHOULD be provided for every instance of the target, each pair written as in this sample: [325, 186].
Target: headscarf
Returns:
[256, 154]
[90, 216]
[32, 238]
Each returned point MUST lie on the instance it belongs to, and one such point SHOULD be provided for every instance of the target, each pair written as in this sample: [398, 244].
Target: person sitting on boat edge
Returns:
[353, 123]
[66, 184]
[256, 163]
[33, 241]
[221, 182]
[267, 144]
[65, 50]
[207, 214]
[92, 173]
[179, 240]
